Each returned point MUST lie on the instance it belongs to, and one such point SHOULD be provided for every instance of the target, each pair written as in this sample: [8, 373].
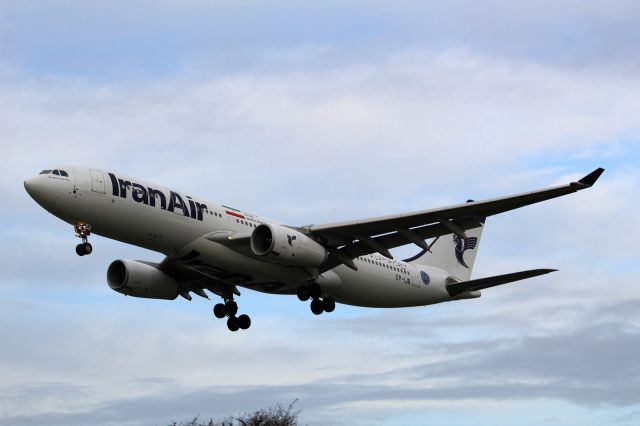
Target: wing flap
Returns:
[457, 288]
[355, 249]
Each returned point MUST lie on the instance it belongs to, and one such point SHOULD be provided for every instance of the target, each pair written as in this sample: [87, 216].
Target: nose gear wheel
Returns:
[83, 230]
[84, 249]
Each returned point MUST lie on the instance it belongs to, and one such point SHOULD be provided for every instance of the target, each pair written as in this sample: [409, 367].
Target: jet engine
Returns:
[133, 278]
[286, 246]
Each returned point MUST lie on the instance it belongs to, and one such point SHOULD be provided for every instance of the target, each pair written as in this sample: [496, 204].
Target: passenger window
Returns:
[63, 173]
[55, 172]
[45, 172]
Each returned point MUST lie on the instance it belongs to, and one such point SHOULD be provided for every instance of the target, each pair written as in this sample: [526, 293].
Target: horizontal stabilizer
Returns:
[455, 289]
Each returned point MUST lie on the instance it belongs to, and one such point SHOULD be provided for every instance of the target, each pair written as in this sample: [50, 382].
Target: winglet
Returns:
[592, 177]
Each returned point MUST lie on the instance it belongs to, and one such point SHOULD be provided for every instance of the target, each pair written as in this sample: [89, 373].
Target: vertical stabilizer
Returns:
[452, 253]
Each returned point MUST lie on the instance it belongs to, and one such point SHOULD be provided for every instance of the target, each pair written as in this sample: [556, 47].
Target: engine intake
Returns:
[133, 278]
[286, 246]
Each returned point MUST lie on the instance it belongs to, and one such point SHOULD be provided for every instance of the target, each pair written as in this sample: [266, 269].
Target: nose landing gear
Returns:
[318, 304]
[229, 309]
[83, 231]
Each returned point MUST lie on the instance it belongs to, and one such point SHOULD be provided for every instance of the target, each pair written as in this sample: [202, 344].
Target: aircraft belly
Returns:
[372, 288]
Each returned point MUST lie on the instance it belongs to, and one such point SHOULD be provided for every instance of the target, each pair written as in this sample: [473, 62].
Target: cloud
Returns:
[582, 354]
[592, 365]
[72, 37]
[423, 117]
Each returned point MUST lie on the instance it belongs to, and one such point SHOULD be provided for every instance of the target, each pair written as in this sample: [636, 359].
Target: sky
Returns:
[311, 113]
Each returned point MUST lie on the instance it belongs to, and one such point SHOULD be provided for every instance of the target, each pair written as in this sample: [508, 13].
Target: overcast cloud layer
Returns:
[312, 114]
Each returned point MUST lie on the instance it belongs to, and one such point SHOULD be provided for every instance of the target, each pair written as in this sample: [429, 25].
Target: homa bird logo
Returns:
[291, 239]
[463, 245]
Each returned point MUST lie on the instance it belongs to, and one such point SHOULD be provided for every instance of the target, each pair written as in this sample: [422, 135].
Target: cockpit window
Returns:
[55, 172]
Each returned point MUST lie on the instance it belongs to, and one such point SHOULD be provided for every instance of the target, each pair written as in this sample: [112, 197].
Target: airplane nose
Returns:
[32, 187]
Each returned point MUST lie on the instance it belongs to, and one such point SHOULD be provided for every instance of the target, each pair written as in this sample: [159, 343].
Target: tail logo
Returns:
[463, 245]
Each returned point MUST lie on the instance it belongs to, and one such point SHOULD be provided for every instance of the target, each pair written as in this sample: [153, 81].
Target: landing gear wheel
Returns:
[233, 324]
[303, 293]
[84, 248]
[244, 321]
[231, 308]
[87, 247]
[219, 311]
[316, 306]
[315, 291]
[328, 304]
[83, 231]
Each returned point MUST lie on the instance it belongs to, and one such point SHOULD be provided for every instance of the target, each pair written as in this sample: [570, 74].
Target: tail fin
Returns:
[452, 253]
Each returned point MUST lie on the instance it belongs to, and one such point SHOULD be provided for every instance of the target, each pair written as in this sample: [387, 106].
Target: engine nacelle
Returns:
[133, 278]
[285, 246]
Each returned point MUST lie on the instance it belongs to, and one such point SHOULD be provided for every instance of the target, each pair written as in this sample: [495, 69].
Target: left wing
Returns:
[348, 240]
[194, 276]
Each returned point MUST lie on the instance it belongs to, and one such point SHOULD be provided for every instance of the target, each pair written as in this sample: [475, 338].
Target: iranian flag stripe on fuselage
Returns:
[234, 212]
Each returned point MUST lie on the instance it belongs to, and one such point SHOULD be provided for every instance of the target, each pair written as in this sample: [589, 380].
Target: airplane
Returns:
[218, 248]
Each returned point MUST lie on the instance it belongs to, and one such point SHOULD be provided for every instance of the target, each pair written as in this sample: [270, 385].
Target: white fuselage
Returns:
[174, 223]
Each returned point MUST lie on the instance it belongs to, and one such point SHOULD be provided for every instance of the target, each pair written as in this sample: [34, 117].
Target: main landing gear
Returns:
[318, 304]
[229, 309]
[83, 231]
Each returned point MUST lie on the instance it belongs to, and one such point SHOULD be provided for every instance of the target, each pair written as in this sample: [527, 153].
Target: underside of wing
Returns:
[348, 240]
[195, 276]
